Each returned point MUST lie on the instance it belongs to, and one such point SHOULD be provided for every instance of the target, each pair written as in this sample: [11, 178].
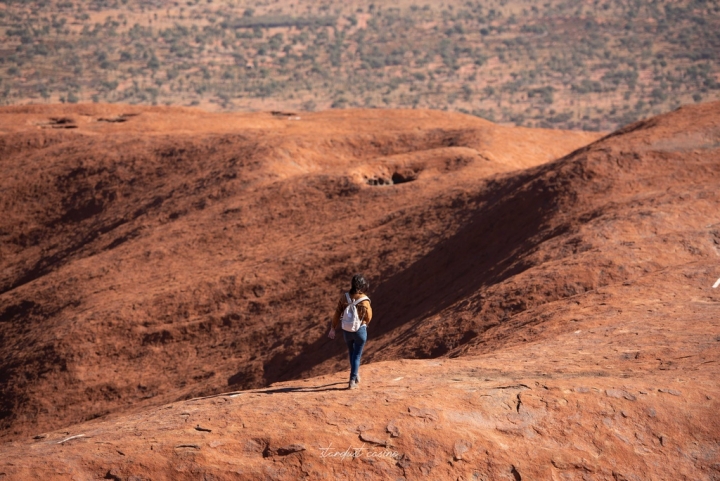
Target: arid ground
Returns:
[543, 298]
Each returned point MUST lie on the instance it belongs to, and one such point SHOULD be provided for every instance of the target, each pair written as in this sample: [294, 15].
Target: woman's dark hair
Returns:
[359, 284]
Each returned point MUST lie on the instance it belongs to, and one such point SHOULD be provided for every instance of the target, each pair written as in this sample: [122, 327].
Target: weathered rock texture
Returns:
[159, 256]
[569, 306]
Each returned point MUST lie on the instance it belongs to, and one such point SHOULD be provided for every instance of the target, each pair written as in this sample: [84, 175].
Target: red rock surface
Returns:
[176, 253]
[569, 306]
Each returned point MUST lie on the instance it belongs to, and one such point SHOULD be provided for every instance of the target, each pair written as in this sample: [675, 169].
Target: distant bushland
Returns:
[273, 21]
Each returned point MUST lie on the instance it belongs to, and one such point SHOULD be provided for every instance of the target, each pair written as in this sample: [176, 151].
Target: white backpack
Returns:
[350, 321]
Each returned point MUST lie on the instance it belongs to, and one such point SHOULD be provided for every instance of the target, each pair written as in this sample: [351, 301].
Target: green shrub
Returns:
[587, 86]
[545, 94]
[153, 63]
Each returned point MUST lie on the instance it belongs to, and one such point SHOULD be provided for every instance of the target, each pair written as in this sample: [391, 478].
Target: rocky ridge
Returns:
[569, 312]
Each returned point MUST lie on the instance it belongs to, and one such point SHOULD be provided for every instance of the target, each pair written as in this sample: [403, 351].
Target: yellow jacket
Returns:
[364, 309]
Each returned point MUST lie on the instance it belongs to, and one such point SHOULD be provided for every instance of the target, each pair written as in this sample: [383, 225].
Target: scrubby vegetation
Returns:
[595, 65]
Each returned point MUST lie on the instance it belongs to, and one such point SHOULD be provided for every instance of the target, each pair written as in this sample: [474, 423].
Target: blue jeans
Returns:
[355, 343]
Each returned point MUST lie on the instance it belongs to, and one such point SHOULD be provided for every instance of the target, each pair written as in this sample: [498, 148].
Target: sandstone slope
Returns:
[572, 312]
[155, 254]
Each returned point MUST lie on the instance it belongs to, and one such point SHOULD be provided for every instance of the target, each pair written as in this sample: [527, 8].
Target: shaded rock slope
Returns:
[155, 254]
[567, 307]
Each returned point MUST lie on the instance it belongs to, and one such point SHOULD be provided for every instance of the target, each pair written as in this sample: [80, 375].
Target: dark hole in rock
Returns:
[118, 119]
[61, 120]
[379, 181]
[62, 123]
[401, 178]
[113, 119]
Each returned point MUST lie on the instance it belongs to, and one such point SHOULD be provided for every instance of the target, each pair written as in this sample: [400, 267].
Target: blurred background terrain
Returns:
[590, 65]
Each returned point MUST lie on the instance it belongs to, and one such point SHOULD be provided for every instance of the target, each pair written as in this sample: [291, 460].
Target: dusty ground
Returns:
[568, 306]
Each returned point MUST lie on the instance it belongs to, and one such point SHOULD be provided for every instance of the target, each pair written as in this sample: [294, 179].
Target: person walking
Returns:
[353, 313]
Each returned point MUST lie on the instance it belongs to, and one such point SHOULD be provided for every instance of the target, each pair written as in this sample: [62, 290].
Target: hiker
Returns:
[353, 313]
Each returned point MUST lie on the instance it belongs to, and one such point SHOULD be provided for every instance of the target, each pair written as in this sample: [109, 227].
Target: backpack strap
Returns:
[356, 301]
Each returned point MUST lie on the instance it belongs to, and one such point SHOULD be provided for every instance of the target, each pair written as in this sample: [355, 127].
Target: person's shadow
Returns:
[504, 225]
[321, 388]
[324, 387]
